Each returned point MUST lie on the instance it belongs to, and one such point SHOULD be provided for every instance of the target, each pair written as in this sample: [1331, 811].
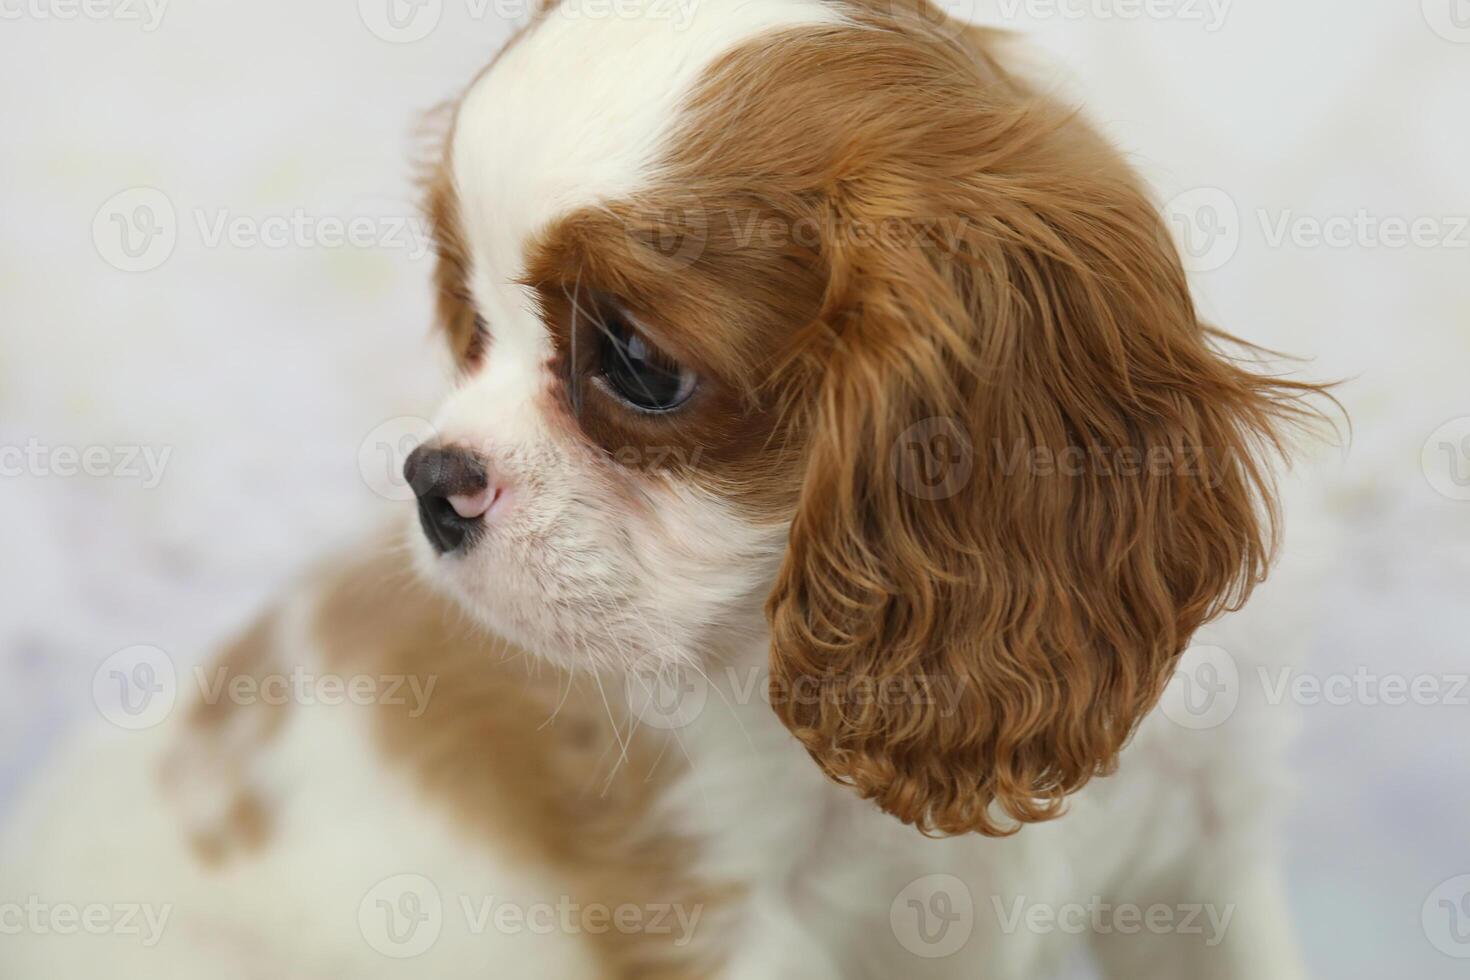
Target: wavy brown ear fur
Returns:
[1112, 492]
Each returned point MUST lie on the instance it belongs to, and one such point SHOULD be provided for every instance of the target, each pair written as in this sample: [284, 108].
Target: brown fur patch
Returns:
[454, 308]
[222, 736]
[515, 756]
[503, 746]
[251, 657]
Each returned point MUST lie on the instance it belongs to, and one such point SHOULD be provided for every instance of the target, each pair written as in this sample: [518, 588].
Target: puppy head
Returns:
[811, 307]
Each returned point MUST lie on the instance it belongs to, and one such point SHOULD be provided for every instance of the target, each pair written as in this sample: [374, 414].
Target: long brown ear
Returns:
[454, 309]
[1032, 474]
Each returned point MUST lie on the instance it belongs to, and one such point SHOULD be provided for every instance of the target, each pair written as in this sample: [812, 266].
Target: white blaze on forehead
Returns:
[574, 113]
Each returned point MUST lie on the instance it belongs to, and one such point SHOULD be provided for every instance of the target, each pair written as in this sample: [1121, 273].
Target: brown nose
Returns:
[451, 485]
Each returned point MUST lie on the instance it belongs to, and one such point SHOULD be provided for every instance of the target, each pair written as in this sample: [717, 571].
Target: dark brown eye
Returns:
[638, 373]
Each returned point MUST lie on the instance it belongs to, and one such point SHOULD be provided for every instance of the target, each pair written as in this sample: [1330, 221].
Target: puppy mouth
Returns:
[449, 533]
[474, 506]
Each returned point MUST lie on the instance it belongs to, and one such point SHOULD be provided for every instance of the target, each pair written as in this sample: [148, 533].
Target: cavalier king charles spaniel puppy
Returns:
[836, 475]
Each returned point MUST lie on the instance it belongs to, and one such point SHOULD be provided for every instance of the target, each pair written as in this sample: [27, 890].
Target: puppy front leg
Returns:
[1214, 920]
[782, 953]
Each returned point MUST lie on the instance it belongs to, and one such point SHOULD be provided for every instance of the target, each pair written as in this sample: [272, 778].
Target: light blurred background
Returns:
[1312, 155]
